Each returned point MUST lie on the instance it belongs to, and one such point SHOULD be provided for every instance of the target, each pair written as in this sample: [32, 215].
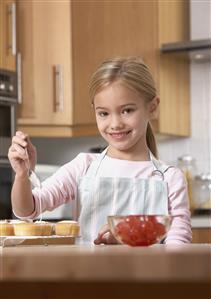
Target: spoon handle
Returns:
[34, 179]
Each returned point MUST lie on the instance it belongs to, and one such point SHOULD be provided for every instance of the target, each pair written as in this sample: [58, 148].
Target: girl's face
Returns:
[122, 117]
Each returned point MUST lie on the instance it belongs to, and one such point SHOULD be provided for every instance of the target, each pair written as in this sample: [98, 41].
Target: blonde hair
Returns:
[133, 73]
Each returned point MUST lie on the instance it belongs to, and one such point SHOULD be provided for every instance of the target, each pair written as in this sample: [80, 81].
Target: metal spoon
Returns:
[33, 177]
[35, 181]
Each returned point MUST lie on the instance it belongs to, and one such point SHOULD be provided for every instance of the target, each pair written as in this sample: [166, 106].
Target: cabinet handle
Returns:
[12, 13]
[19, 77]
[58, 88]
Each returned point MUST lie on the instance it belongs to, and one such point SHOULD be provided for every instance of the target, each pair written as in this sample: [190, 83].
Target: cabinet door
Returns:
[44, 45]
[109, 28]
[8, 35]
[173, 70]
[201, 235]
[103, 29]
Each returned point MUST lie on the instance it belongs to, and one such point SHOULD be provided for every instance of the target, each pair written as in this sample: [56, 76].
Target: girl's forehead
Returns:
[117, 89]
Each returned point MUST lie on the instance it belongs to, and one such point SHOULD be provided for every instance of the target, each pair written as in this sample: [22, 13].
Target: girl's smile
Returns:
[119, 136]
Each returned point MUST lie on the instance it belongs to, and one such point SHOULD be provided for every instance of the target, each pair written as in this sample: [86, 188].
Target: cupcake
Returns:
[38, 228]
[6, 228]
[67, 228]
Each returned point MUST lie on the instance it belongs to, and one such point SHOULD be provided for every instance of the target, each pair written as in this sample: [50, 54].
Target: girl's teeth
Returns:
[119, 134]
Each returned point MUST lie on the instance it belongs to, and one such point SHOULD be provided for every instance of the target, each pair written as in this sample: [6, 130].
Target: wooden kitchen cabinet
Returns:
[62, 42]
[201, 235]
[45, 61]
[8, 35]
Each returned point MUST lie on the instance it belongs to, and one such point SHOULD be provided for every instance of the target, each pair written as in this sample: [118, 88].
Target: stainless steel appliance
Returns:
[8, 101]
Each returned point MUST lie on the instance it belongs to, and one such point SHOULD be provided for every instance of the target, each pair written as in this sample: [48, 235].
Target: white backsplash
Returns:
[200, 19]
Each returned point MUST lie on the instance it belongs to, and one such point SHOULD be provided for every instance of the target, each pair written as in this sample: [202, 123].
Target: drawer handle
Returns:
[19, 77]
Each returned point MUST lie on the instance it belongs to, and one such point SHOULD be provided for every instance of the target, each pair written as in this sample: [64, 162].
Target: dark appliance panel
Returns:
[8, 102]
[8, 86]
[6, 178]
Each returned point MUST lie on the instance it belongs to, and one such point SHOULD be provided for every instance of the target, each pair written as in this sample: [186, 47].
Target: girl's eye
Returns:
[102, 114]
[127, 110]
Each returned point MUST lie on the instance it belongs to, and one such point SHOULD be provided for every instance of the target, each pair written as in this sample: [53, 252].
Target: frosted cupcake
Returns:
[38, 228]
[67, 228]
[6, 228]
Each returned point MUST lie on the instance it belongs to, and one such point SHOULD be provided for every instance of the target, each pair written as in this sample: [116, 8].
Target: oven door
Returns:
[6, 179]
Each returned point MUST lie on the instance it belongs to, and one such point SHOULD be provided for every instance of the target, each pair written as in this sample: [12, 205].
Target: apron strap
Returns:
[159, 166]
[94, 166]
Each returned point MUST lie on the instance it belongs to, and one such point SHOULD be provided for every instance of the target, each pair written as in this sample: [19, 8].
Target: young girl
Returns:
[126, 178]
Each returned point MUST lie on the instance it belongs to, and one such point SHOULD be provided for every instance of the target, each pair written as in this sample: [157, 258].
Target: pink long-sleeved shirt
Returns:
[62, 188]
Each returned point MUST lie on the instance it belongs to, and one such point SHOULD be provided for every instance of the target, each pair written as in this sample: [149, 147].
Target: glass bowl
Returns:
[139, 230]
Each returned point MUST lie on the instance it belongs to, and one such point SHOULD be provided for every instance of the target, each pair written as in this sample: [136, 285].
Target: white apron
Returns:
[99, 197]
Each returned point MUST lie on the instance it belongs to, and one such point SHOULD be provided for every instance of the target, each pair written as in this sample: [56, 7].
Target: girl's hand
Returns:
[105, 236]
[22, 154]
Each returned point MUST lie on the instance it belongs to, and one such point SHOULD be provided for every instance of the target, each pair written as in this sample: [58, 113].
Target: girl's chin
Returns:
[120, 146]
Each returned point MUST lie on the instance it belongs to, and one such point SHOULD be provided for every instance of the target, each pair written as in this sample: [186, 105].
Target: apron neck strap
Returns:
[156, 163]
[92, 171]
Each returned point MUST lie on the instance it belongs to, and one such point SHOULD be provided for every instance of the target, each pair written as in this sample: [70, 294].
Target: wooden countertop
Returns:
[107, 263]
[106, 272]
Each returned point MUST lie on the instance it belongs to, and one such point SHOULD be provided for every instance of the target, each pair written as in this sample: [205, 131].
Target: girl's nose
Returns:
[116, 123]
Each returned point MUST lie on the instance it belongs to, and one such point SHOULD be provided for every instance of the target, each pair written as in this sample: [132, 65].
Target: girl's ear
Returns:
[153, 107]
